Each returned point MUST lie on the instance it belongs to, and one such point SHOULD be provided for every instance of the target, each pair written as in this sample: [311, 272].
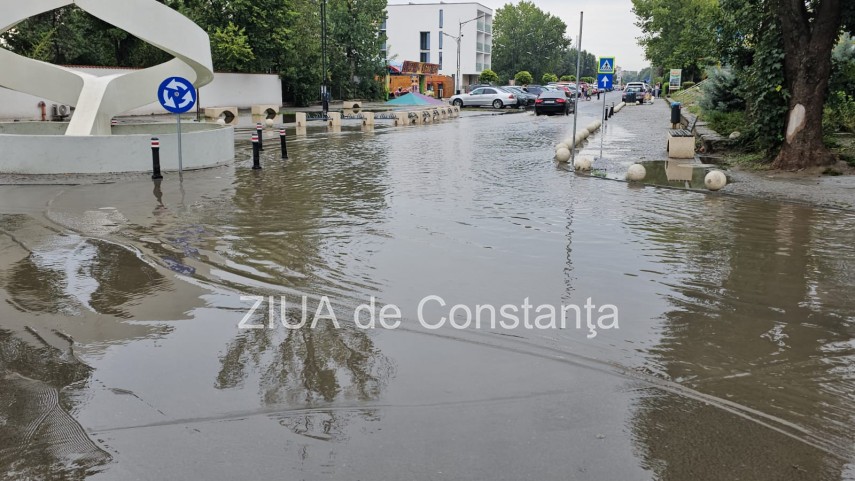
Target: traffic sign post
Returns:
[177, 95]
[605, 80]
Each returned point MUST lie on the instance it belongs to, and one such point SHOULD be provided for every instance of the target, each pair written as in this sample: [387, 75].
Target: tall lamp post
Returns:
[457, 39]
[325, 102]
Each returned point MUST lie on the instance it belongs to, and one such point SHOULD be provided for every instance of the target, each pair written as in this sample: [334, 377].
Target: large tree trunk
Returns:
[808, 41]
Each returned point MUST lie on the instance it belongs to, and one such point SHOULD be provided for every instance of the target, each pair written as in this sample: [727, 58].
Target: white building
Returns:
[420, 32]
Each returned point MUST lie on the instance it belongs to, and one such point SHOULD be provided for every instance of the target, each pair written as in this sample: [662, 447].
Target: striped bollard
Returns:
[259, 129]
[155, 158]
[256, 152]
[284, 143]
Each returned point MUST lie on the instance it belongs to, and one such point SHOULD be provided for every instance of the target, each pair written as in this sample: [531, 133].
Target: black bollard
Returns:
[612, 110]
[256, 153]
[605, 114]
[284, 143]
[155, 158]
[258, 130]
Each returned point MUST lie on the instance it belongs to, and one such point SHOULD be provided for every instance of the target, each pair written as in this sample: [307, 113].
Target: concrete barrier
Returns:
[229, 114]
[300, 119]
[334, 119]
[352, 104]
[264, 112]
[368, 119]
[42, 148]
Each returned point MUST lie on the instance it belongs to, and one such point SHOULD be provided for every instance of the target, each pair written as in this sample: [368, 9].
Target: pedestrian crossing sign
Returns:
[607, 65]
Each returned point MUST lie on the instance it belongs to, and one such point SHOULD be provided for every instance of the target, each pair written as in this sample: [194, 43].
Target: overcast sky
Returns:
[609, 28]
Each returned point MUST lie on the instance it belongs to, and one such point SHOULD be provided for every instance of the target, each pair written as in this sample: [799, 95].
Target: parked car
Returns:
[633, 92]
[496, 97]
[534, 89]
[553, 102]
[523, 98]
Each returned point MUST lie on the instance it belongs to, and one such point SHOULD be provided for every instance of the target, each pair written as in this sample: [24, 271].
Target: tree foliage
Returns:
[488, 77]
[549, 77]
[523, 77]
[527, 38]
[678, 33]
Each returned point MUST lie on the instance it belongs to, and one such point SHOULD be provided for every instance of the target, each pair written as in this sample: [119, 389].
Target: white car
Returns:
[495, 97]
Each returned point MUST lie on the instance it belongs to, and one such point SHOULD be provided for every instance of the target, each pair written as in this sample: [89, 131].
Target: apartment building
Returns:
[428, 32]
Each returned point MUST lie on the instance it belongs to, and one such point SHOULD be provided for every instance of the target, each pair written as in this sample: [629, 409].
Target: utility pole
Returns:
[578, 81]
[325, 103]
[458, 38]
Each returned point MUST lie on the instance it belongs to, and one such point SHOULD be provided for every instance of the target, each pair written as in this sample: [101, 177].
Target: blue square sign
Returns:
[606, 65]
[605, 80]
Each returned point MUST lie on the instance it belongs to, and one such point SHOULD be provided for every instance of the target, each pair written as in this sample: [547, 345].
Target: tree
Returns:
[527, 38]
[678, 33]
[230, 48]
[488, 77]
[523, 78]
[568, 78]
[549, 77]
[782, 49]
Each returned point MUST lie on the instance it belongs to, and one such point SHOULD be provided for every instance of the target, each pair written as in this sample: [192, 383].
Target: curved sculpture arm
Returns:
[98, 99]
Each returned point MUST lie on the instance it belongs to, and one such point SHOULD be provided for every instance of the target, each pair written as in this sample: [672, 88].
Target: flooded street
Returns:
[733, 356]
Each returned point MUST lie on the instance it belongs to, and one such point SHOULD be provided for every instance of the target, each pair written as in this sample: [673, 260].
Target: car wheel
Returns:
[497, 104]
[458, 103]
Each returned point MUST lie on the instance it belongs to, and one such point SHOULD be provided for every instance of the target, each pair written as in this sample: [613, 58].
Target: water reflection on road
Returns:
[734, 356]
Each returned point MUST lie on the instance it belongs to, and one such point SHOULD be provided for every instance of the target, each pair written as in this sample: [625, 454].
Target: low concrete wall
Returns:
[25, 149]
[227, 89]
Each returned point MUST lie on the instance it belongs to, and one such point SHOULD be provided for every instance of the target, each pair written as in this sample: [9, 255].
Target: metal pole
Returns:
[180, 159]
[576, 95]
[324, 101]
[603, 131]
[459, 38]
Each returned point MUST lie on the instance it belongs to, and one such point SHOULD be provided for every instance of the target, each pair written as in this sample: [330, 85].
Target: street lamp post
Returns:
[457, 39]
[325, 103]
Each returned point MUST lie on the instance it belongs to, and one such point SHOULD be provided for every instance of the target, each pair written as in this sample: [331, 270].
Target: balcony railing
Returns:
[480, 25]
[488, 48]
[479, 67]
[479, 47]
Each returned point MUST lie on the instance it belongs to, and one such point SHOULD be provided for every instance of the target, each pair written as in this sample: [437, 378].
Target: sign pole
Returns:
[180, 160]
[603, 132]
[576, 94]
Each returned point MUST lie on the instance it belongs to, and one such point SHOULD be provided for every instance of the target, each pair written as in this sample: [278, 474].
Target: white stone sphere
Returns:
[562, 155]
[569, 142]
[221, 122]
[583, 162]
[636, 172]
[269, 123]
[562, 145]
[715, 180]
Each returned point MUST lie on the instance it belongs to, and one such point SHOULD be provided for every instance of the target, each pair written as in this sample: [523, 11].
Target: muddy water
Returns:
[733, 357]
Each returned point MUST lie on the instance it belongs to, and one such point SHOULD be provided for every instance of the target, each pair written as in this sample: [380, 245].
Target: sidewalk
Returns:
[639, 133]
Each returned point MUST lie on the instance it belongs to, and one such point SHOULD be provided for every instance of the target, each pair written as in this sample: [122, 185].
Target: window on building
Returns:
[424, 57]
[440, 60]
[440, 40]
[424, 40]
[440, 18]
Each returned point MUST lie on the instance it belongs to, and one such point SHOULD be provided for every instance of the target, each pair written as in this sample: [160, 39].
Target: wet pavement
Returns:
[122, 355]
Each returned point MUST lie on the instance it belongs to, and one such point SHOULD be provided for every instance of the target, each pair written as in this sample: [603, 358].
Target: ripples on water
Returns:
[740, 300]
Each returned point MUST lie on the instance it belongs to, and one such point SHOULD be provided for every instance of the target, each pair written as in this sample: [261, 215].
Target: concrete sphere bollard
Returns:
[221, 122]
[562, 145]
[569, 142]
[562, 155]
[268, 123]
[583, 162]
[715, 180]
[636, 172]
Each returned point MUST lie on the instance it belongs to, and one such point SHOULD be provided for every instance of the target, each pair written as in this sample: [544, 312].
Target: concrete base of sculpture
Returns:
[43, 148]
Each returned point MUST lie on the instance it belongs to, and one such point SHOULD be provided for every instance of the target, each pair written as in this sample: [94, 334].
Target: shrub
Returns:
[589, 80]
[523, 78]
[721, 91]
[549, 77]
[488, 77]
[568, 78]
[688, 85]
[726, 123]
[839, 113]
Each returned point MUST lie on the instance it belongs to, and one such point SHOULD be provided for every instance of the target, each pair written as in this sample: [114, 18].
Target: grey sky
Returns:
[609, 28]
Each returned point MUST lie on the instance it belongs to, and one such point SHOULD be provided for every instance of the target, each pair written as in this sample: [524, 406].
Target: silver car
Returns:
[495, 97]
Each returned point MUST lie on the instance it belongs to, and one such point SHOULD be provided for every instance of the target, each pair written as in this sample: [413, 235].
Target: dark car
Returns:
[535, 89]
[524, 98]
[553, 102]
[633, 94]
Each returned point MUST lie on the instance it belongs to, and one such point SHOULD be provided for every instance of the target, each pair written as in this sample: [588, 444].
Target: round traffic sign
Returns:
[176, 95]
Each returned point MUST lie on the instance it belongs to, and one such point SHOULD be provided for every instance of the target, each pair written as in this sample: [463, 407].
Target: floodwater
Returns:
[733, 356]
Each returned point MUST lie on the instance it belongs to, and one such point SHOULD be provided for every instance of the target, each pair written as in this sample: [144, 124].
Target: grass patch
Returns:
[755, 161]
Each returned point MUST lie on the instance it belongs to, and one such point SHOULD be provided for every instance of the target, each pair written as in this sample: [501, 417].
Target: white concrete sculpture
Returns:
[99, 99]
